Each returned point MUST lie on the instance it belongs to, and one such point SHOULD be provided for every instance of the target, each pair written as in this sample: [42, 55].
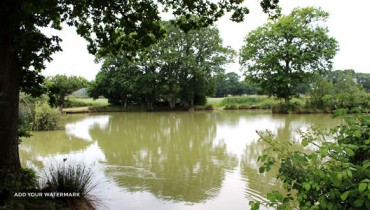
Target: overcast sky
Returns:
[348, 23]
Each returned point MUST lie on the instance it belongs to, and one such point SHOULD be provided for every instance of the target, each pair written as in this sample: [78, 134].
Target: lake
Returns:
[170, 160]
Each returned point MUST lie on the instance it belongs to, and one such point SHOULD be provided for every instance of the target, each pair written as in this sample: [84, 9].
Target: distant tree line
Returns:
[231, 84]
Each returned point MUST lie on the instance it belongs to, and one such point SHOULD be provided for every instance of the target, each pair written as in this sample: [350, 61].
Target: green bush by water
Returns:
[80, 102]
[76, 178]
[329, 174]
[263, 102]
[45, 118]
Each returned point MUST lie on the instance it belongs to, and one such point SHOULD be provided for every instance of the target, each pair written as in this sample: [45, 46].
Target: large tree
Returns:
[60, 86]
[108, 26]
[287, 52]
[179, 67]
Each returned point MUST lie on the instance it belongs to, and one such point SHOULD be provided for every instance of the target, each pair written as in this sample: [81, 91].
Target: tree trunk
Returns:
[149, 104]
[60, 108]
[61, 103]
[123, 101]
[172, 102]
[9, 89]
[286, 101]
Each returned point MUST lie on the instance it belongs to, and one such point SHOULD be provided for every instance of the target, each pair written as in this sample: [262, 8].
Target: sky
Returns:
[348, 24]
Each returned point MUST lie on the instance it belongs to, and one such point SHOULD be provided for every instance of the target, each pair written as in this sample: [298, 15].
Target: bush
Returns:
[244, 106]
[28, 179]
[25, 181]
[72, 178]
[204, 107]
[326, 173]
[263, 102]
[231, 107]
[45, 117]
[69, 103]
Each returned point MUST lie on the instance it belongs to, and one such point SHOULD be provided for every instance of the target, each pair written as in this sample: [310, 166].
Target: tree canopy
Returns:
[179, 69]
[59, 86]
[287, 51]
[108, 26]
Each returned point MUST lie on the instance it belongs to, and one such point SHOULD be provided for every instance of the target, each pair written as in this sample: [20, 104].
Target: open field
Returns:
[214, 101]
[80, 102]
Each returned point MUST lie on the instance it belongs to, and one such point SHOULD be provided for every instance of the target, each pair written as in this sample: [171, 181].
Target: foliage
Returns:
[77, 178]
[80, 102]
[285, 52]
[45, 117]
[70, 178]
[108, 26]
[338, 90]
[179, 69]
[364, 80]
[320, 88]
[25, 117]
[36, 114]
[231, 107]
[331, 172]
[59, 86]
[81, 93]
[251, 101]
[26, 181]
[230, 84]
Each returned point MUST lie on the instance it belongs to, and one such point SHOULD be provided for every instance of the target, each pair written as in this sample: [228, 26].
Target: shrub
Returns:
[231, 107]
[76, 178]
[244, 106]
[45, 117]
[327, 173]
[26, 180]
[75, 103]
[263, 102]
[204, 107]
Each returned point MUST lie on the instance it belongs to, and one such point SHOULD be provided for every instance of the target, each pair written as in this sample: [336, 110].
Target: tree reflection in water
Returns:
[258, 185]
[181, 157]
[171, 155]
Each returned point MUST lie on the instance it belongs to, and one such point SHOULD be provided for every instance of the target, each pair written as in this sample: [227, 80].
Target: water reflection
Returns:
[81, 129]
[73, 143]
[258, 185]
[171, 160]
[173, 156]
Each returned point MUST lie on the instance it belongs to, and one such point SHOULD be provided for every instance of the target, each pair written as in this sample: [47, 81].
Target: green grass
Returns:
[263, 102]
[79, 102]
[253, 102]
[214, 101]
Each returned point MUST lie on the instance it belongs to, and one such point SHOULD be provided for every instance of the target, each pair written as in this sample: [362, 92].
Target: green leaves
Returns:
[60, 86]
[306, 186]
[178, 69]
[344, 195]
[332, 175]
[362, 186]
[287, 51]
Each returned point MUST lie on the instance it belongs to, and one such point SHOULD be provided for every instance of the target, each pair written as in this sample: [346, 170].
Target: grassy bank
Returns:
[248, 102]
[86, 105]
[297, 105]
[83, 102]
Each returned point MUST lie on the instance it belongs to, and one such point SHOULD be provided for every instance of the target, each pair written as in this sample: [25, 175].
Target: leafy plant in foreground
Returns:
[76, 178]
[331, 172]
